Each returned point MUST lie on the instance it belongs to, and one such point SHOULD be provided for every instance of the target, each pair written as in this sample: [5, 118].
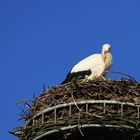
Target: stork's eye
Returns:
[109, 49]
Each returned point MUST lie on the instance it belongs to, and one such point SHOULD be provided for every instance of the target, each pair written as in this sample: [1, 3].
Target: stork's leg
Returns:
[102, 77]
[85, 80]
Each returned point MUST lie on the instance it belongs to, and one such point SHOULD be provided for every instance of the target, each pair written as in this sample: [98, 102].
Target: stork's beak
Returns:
[104, 59]
[105, 52]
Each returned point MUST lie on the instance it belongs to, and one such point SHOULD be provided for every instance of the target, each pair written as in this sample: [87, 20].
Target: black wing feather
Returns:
[76, 76]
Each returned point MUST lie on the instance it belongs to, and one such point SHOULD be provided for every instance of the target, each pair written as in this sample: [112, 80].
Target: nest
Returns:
[123, 90]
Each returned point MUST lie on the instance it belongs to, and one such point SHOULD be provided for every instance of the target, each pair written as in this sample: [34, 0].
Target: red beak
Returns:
[105, 52]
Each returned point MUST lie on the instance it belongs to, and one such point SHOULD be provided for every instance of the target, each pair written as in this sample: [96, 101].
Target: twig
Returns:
[123, 74]
[24, 102]
[75, 102]
[79, 124]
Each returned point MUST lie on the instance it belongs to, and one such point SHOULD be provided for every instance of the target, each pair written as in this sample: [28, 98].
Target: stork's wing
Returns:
[84, 68]
[88, 63]
[76, 76]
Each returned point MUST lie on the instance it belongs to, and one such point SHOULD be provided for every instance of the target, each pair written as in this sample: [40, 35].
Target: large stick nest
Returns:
[123, 90]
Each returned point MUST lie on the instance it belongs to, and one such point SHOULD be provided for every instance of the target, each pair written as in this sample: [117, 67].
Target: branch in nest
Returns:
[75, 103]
[123, 74]
[24, 102]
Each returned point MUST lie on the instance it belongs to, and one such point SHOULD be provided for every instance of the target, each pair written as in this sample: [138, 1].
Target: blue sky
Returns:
[41, 40]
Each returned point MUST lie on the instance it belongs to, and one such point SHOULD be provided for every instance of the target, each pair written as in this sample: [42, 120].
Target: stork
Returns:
[93, 66]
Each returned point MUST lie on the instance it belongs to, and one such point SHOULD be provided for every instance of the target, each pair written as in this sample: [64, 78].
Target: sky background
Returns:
[41, 40]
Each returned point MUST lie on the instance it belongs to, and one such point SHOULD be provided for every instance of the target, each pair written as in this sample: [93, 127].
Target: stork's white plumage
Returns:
[91, 67]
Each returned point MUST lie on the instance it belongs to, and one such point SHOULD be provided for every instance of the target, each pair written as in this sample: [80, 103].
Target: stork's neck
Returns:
[107, 59]
[104, 56]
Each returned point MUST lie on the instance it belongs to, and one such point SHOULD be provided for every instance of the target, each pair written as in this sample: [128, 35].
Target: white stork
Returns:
[91, 67]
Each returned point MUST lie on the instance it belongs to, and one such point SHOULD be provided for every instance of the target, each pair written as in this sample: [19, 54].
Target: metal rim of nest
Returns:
[104, 103]
[83, 126]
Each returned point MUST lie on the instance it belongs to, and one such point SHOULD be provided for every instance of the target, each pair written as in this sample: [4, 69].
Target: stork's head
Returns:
[106, 55]
[106, 48]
